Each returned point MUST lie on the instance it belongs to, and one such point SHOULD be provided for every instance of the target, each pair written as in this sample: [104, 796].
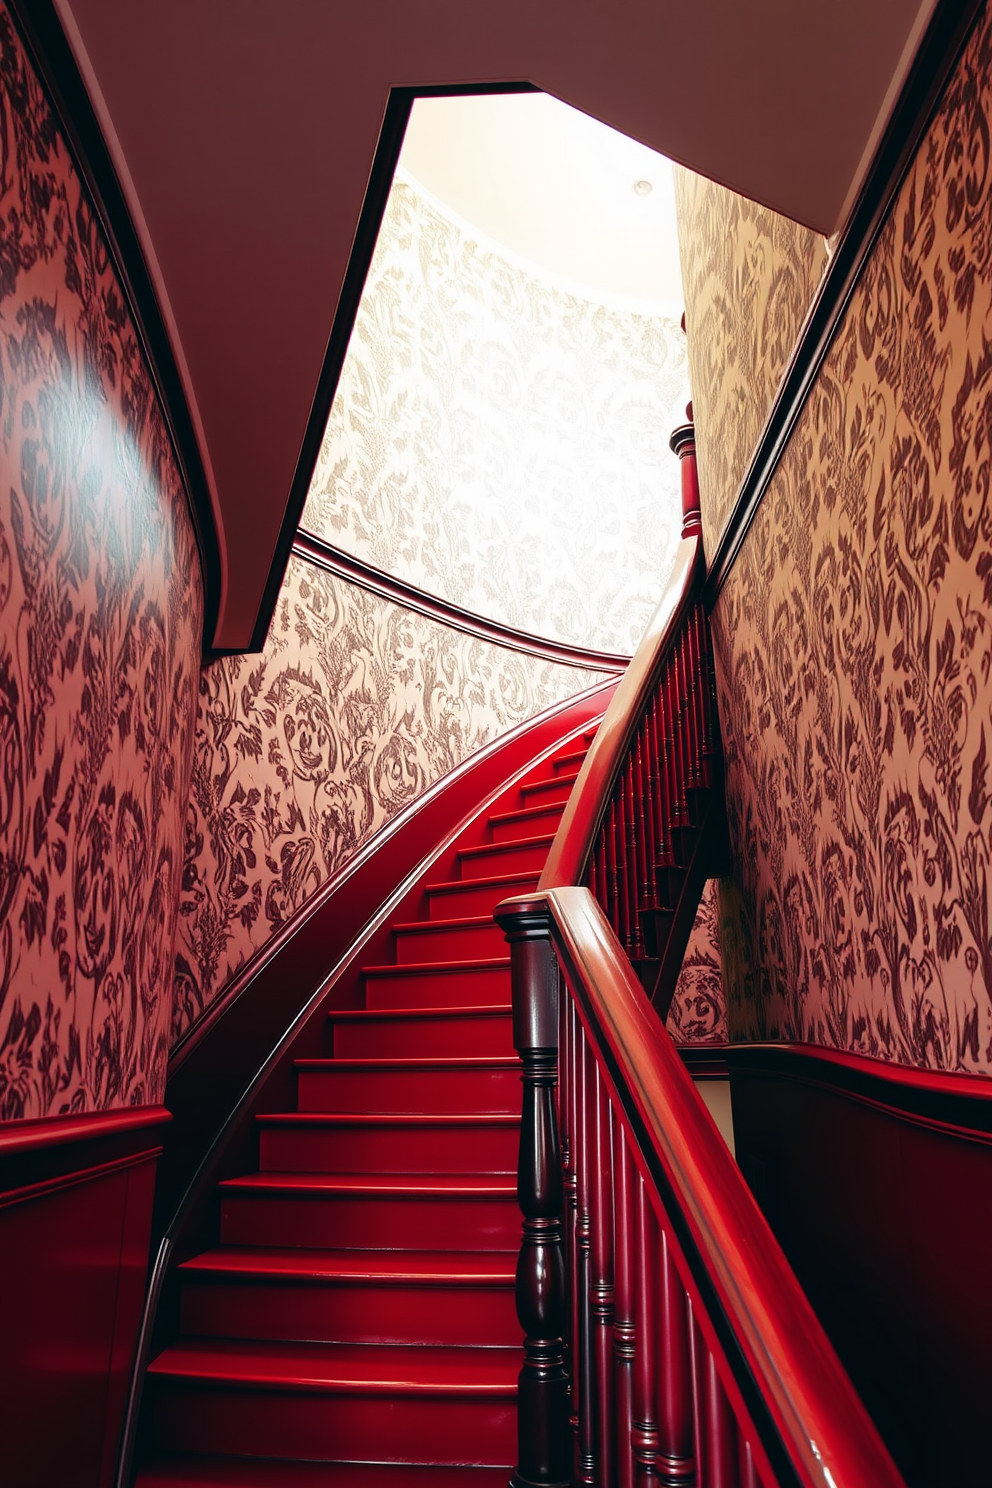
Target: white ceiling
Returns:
[244, 132]
[554, 187]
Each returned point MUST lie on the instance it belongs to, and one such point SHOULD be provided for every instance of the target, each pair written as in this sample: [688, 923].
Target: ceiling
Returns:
[567, 196]
[244, 133]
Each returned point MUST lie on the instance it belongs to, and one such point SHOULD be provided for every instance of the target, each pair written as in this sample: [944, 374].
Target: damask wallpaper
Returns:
[854, 648]
[355, 707]
[698, 1014]
[100, 621]
[749, 277]
[500, 442]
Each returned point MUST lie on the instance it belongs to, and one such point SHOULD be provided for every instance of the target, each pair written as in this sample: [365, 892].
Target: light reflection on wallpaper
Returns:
[354, 708]
[100, 622]
[854, 648]
[502, 443]
[749, 277]
[698, 1014]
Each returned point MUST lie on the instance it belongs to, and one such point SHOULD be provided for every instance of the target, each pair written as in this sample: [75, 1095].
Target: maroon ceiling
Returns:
[244, 131]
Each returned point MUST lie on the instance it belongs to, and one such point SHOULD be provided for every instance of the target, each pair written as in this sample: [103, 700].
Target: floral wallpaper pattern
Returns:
[698, 1014]
[500, 442]
[355, 707]
[749, 277]
[854, 648]
[100, 621]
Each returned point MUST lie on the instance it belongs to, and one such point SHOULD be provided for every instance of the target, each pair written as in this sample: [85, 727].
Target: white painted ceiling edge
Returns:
[244, 135]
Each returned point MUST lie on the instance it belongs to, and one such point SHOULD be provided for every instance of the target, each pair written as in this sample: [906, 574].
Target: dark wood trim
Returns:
[313, 549]
[377, 194]
[41, 31]
[942, 44]
[705, 1061]
[54, 1151]
[956, 1105]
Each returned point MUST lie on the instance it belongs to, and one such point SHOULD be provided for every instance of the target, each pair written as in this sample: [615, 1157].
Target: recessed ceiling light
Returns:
[643, 188]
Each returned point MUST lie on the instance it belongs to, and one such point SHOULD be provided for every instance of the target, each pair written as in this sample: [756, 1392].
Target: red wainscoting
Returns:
[75, 1219]
[877, 1182]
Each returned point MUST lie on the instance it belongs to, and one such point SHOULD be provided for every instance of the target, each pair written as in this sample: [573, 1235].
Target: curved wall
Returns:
[502, 442]
[100, 625]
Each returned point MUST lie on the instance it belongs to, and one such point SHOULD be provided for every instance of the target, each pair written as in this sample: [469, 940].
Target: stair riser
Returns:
[352, 1313]
[505, 859]
[489, 1092]
[429, 1038]
[322, 1426]
[557, 790]
[393, 1149]
[569, 764]
[464, 903]
[222, 1472]
[531, 826]
[477, 942]
[346, 1221]
[432, 989]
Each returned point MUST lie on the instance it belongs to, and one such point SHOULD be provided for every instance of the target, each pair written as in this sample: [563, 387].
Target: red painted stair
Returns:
[355, 1326]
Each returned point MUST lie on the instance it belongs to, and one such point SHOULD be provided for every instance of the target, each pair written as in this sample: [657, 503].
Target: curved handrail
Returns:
[828, 1436]
[602, 765]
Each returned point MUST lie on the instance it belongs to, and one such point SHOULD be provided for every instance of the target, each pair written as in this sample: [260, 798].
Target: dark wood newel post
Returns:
[543, 1459]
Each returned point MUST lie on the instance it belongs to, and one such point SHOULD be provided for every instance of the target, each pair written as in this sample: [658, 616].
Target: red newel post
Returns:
[542, 1397]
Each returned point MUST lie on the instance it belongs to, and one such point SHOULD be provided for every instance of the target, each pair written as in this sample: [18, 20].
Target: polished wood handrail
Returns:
[583, 815]
[810, 1421]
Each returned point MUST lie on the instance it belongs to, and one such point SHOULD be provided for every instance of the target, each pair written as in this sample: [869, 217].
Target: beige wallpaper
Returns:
[854, 649]
[302, 753]
[749, 277]
[100, 626]
[500, 442]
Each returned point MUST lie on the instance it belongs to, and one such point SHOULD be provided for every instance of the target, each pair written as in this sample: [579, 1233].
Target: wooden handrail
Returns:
[583, 815]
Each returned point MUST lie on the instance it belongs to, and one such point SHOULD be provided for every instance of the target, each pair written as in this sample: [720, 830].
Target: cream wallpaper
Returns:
[698, 1014]
[500, 442]
[749, 277]
[303, 753]
[853, 645]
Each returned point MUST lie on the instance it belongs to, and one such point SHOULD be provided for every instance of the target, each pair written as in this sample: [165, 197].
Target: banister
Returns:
[583, 815]
[808, 1426]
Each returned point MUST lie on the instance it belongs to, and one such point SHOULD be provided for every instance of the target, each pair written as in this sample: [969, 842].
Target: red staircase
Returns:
[356, 1323]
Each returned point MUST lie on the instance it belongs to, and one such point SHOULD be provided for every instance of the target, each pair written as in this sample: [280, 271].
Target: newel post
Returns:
[543, 1459]
[683, 444]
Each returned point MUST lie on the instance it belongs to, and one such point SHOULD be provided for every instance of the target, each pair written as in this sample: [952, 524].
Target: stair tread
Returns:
[492, 880]
[244, 1472]
[354, 1015]
[426, 1185]
[551, 782]
[415, 1266]
[477, 1062]
[343, 1367]
[516, 844]
[435, 968]
[429, 1119]
[524, 814]
[467, 922]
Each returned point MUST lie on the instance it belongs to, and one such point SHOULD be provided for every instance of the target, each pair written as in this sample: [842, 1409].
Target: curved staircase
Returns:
[355, 1326]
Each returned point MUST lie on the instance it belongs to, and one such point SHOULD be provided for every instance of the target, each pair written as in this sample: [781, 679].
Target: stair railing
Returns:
[667, 1340]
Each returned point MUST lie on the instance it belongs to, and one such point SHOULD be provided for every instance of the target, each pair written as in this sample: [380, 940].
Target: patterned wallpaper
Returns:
[698, 1014]
[854, 648]
[500, 442]
[100, 621]
[749, 277]
[355, 707]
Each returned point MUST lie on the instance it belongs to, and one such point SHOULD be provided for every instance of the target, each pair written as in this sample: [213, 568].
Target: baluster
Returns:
[676, 1464]
[591, 876]
[689, 728]
[610, 841]
[572, 1200]
[599, 855]
[644, 1435]
[566, 1127]
[601, 1291]
[747, 1470]
[699, 690]
[719, 1429]
[661, 757]
[635, 945]
[622, 924]
[649, 781]
[586, 1380]
[624, 1329]
[542, 1392]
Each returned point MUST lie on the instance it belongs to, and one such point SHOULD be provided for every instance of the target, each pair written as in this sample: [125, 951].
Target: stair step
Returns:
[507, 826]
[315, 1142]
[448, 940]
[442, 1212]
[454, 1033]
[522, 854]
[349, 1296]
[241, 1472]
[437, 984]
[569, 762]
[333, 1401]
[477, 896]
[557, 789]
[407, 1085]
